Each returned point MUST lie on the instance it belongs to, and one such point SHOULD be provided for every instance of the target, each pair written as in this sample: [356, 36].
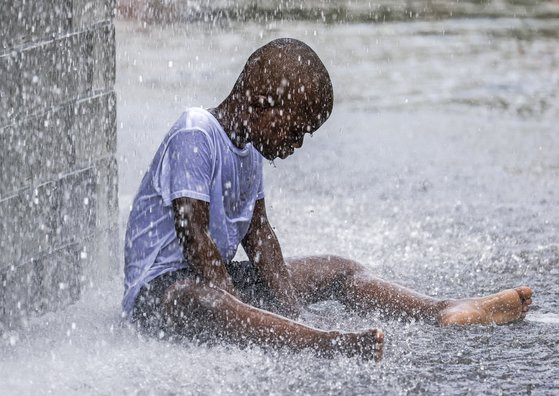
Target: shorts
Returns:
[148, 305]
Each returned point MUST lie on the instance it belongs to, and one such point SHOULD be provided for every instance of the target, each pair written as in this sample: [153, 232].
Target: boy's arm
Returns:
[263, 249]
[192, 219]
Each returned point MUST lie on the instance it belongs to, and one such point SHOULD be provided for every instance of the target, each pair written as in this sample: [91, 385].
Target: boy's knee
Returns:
[344, 267]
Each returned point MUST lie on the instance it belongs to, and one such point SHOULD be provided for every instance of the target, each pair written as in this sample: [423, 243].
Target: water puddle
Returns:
[547, 318]
[438, 169]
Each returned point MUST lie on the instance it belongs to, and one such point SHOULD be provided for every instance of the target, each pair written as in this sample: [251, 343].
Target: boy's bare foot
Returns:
[504, 307]
[368, 344]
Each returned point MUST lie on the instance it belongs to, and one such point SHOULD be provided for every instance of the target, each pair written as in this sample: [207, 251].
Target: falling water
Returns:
[438, 169]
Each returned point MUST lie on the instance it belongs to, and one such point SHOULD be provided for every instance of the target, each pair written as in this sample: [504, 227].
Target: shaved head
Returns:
[287, 72]
[283, 93]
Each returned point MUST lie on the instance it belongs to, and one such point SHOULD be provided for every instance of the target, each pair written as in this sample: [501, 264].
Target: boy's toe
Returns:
[525, 293]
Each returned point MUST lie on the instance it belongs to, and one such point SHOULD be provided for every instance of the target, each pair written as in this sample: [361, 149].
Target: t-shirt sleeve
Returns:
[186, 167]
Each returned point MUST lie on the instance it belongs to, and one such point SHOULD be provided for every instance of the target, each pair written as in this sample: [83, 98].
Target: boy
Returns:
[203, 196]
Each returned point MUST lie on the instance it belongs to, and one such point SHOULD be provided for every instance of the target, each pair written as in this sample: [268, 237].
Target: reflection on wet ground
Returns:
[438, 168]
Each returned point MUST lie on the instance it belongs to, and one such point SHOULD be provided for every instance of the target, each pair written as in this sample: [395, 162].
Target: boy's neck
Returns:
[230, 125]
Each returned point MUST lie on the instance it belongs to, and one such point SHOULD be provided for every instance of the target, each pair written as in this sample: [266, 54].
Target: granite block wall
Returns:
[58, 171]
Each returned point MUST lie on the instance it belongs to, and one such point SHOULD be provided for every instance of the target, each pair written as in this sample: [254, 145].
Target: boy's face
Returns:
[276, 131]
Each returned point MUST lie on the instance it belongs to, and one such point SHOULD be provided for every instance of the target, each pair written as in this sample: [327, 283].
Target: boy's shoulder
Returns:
[197, 123]
[197, 126]
[198, 118]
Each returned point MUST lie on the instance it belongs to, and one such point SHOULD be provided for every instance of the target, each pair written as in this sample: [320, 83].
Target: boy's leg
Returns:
[322, 277]
[192, 308]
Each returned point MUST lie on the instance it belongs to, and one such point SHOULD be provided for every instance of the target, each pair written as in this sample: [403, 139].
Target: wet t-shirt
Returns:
[196, 160]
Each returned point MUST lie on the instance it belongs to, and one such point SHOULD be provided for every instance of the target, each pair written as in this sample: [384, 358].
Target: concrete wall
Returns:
[58, 178]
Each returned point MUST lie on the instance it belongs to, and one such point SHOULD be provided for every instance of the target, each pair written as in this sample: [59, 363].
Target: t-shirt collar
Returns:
[239, 151]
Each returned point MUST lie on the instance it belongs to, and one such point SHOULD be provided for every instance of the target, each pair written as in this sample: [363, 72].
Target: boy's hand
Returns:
[192, 218]
[219, 280]
[288, 304]
[263, 249]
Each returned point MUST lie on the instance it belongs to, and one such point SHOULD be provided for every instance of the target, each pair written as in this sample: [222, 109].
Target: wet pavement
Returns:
[439, 169]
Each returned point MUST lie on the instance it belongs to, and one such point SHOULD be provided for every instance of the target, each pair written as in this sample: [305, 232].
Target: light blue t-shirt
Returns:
[196, 160]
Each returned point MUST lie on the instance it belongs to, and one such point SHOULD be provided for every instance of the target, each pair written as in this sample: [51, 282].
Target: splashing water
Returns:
[438, 169]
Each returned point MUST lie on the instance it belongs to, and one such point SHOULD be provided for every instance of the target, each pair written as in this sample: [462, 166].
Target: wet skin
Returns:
[278, 130]
[274, 113]
[274, 126]
[212, 304]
